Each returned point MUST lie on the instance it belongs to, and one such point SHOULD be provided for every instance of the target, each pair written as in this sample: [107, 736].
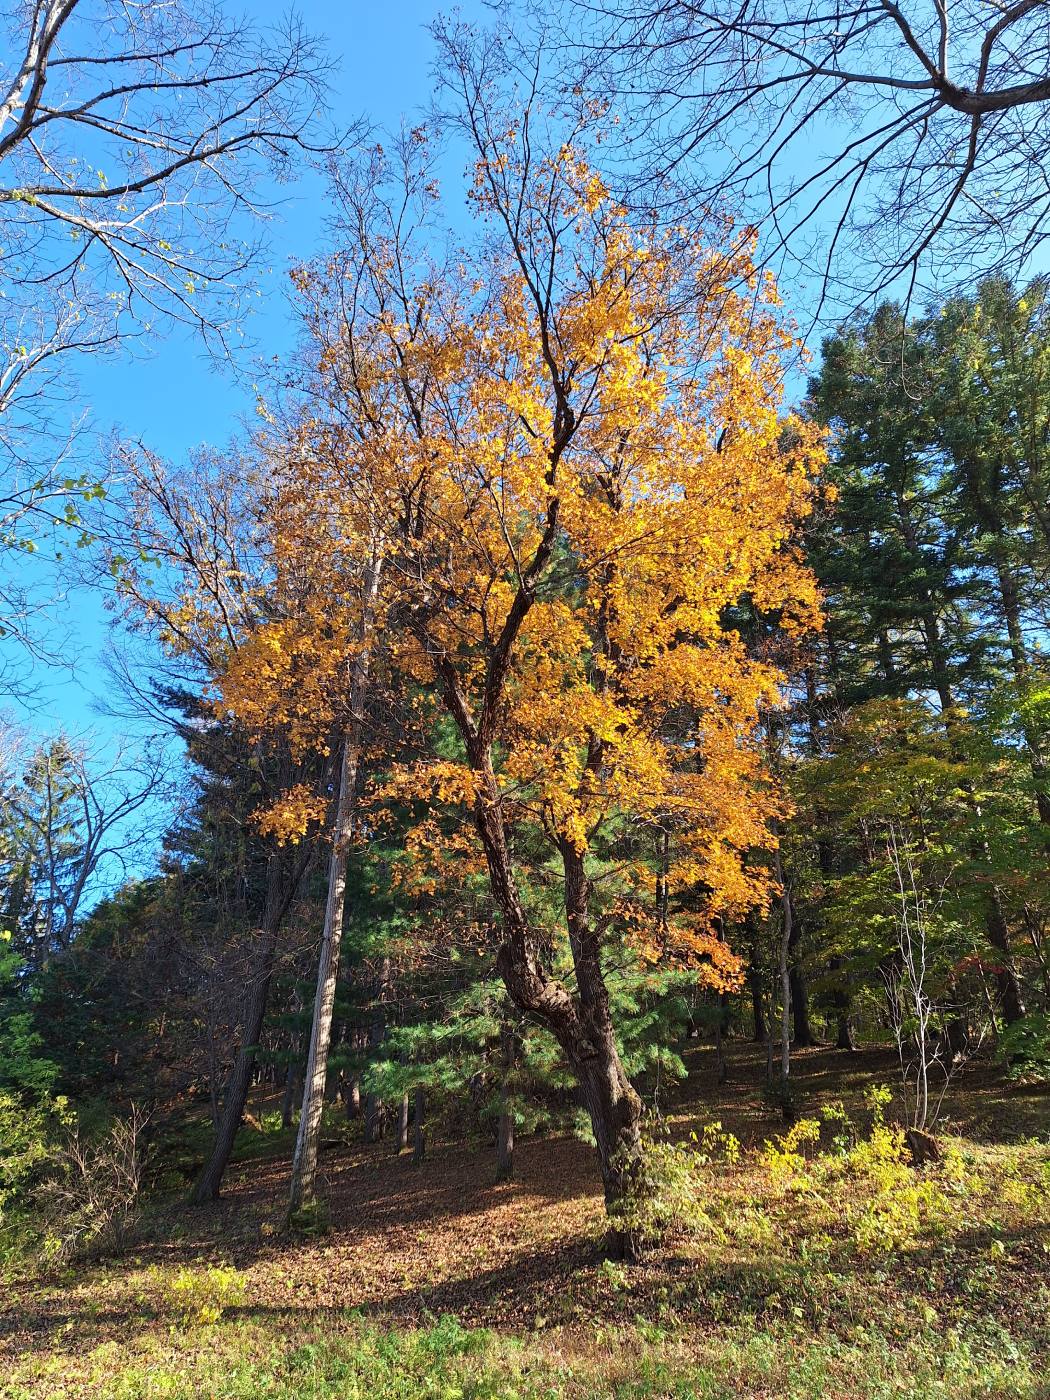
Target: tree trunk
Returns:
[754, 981]
[352, 1098]
[291, 1083]
[374, 1123]
[419, 1125]
[582, 1025]
[505, 1128]
[373, 1116]
[280, 891]
[803, 1031]
[785, 975]
[402, 1124]
[304, 1162]
[841, 1001]
[1010, 998]
[721, 1019]
[587, 1039]
[615, 1112]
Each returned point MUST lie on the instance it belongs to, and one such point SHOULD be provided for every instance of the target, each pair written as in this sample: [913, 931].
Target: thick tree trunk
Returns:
[582, 1024]
[615, 1112]
[841, 1000]
[1009, 988]
[352, 1098]
[304, 1162]
[844, 1032]
[281, 885]
[373, 1115]
[610, 1098]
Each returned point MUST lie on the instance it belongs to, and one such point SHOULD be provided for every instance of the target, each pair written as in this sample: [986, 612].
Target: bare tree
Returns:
[73, 825]
[135, 143]
[868, 135]
[130, 138]
[926, 1070]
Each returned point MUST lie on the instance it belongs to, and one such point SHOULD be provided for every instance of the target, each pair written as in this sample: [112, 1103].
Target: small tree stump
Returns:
[922, 1146]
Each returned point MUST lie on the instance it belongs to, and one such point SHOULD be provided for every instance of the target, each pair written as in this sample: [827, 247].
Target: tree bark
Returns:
[803, 1031]
[1010, 997]
[281, 885]
[352, 1098]
[721, 1021]
[754, 981]
[304, 1162]
[402, 1124]
[376, 1033]
[419, 1125]
[785, 988]
[582, 1025]
[505, 1128]
[291, 1083]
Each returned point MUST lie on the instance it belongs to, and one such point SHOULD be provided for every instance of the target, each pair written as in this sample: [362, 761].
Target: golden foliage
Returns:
[581, 488]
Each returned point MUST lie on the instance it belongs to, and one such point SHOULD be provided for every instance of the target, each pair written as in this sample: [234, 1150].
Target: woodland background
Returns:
[555, 899]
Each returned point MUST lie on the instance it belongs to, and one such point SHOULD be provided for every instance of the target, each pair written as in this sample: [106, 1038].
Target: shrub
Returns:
[91, 1200]
[199, 1297]
[1026, 1046]
[665, 1192]
[783, 1158]
[25, 1147]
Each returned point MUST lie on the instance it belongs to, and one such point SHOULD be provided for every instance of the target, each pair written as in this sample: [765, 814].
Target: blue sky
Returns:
[177, 396]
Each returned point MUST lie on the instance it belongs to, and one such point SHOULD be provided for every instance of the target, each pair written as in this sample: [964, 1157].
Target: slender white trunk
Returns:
[304, 1162]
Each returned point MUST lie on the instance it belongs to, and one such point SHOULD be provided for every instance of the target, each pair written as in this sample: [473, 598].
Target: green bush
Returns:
[1026, 1046]
[667, 1185]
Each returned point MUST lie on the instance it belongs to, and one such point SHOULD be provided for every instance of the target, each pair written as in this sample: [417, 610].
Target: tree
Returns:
[991, 409]
[133, 139]
[894, 565]
[201, 583]
[574, 435]
[70, 821]
[936, 575]
[890, 137]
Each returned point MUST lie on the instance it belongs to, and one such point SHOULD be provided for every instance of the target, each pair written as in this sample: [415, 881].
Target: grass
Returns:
[354, 1360]
[841, 1274]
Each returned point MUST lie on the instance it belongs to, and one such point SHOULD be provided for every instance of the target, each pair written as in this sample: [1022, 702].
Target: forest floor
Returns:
[806, 1279]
